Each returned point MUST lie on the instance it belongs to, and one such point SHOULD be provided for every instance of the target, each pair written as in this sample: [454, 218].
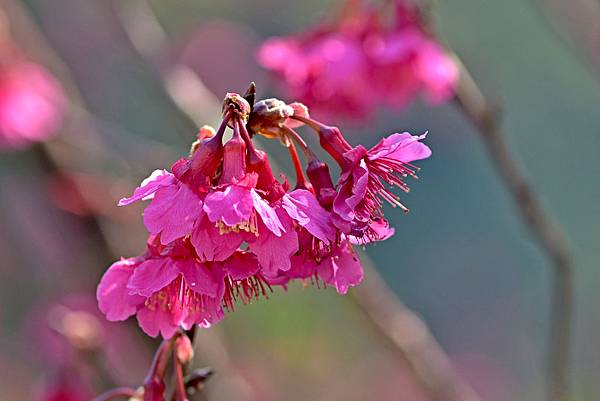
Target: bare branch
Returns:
[480, 112]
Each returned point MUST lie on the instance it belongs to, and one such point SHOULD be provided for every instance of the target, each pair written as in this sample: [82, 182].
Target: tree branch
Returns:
[480, 112]
[408, 334]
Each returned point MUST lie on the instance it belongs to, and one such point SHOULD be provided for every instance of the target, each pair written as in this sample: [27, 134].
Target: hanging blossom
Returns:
[351, 64]
[224, 229]
[32, 101]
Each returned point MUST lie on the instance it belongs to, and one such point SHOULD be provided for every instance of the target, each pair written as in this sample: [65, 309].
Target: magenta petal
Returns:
[199, 278]
[302, 206]
[342, 270]
[173, 212]
[151, 276]
[210, 244]
[156, 180]
[231, 206]
[274, 252]
[267, 214]
[113, 296]
[379, 230]
[352, 192]
[241, 265]
[156, 321]
[402, 147]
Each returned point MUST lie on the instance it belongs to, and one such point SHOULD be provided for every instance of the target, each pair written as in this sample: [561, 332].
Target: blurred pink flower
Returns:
[32, 104]
[65, 387]
[351, 65]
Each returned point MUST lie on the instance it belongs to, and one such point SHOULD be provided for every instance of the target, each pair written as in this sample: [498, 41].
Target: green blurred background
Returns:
[461, 258]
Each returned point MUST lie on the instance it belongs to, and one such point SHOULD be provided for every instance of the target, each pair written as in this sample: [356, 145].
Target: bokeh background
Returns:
[461, 259]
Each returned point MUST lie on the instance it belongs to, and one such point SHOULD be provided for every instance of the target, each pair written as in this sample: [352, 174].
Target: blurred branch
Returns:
[485, 117]
[579, 21]
[480, 112]
[409, 336]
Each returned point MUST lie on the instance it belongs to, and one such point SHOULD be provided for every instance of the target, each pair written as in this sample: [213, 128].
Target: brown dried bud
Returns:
[238, 105]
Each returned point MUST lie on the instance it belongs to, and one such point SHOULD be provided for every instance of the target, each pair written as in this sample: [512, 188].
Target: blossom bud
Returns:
[234, 160]
[318, 174]
[184, 349]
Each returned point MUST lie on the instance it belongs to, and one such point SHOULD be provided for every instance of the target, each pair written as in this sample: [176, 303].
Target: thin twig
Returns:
[479, 111]
[408, 334]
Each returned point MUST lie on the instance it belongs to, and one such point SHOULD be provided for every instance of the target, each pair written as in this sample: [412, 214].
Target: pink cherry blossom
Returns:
[174, 208]
[168, 288]
[361, 190]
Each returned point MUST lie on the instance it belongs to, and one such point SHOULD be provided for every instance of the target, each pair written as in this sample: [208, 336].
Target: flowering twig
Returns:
[409, 335]
[478, 110]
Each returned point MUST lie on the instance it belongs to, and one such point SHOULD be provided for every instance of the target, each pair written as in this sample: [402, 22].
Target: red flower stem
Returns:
[180, 388]
[116, 393]
[224, 122]
[308, 152]
[301, 181]
[316, 126]
[245, 135]
[159, 363]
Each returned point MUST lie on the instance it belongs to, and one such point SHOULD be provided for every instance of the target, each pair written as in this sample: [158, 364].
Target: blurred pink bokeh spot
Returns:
[32, 105]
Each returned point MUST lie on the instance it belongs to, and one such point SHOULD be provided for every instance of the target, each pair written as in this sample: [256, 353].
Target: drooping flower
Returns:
[168, 288]
[224, 228]
[350, 65]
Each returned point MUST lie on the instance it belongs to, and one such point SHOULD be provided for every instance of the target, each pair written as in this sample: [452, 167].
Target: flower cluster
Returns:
[32, 101]
[361, 59]
[223, 228]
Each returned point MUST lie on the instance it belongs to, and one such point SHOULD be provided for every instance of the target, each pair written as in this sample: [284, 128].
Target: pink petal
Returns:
[302, 206]
[342, 270]
[151, 276]
[211, 245]
[241, 265]
[156, 321]
[266, 212]
[352, 192]
[379, 230]
[403, 147]
[199, 278]
[113, 296]
[173, 212]
[231, 206]
[274, 252]
[156, 180]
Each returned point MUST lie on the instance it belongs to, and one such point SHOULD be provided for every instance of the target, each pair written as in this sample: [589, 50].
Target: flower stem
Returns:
[180, 388]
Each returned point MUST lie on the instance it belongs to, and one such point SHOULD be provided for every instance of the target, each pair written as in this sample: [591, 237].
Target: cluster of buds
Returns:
[223, 228]
[367, 56]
